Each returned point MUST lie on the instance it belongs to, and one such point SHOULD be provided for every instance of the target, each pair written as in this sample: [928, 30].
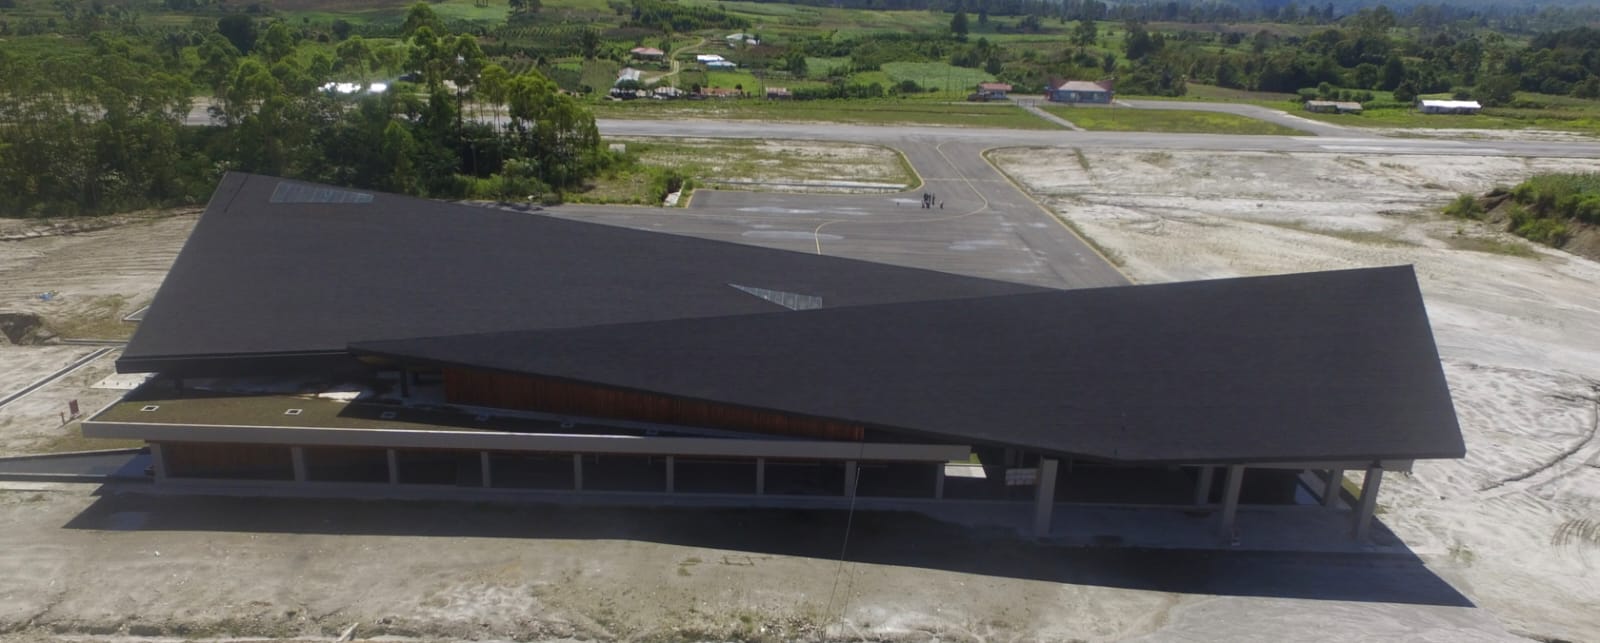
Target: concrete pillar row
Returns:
[577, 472]
[394, 465]
[761, 476]
[1044, 497]
[1369, 502]
[1330, 490]
[1202, 487]
[297, 455]
[1230, 500]
[158, 461]
[671, 473]
[483, 464]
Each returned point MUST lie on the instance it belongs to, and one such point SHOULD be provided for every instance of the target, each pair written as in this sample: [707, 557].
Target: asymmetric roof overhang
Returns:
[1307, 367]
[278, 271]
[1317, 367]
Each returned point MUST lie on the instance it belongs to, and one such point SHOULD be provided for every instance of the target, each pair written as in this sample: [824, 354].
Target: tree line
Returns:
[105, 130]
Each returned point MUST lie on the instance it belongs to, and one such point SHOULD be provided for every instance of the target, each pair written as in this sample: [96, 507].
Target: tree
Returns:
[795, 63]
[1085, 33]
[1406, 91]
[276, 44]
[1497, 90]
[240, 30]
[1366, 75]
[1589, 88]
[341, 28]
[355, 57]
[421, 15]
[1394, 73]
[1138, 43]
[1227, 75]
[958, 23]
[399, 150]
[218, 57]
[589, 41]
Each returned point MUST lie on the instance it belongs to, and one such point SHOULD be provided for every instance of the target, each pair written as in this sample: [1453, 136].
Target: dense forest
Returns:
[104, 130]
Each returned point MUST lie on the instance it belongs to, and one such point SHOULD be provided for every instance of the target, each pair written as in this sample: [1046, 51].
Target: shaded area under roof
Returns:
[1315, 367]
[266, 283]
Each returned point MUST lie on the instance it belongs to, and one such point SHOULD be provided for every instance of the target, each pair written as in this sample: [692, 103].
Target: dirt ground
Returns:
[1513, 525]
[96, 270]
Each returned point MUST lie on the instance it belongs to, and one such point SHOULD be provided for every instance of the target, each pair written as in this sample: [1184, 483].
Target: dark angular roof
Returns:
[277, 271]
[1318, 366]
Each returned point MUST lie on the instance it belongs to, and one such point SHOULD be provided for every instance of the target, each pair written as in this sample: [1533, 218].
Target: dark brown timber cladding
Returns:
[534, 393]
[237, 461]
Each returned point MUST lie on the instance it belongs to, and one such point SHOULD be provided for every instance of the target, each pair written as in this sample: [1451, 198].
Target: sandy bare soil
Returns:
[1513, 524]
[94, 277]
[1511, 527]
[780, 165]
[97, 270]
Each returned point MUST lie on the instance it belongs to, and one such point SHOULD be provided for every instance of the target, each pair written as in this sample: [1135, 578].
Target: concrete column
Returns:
[1230, 500]
[158, 462]
[483, 465]
[938, 481]
[761, 476]
[1332, 486]
[394, 466]
[1369, 502]
[577, 472]
[1044, 498]
[670, 473]
[297, 455]
[851, 472]
[1202, 487]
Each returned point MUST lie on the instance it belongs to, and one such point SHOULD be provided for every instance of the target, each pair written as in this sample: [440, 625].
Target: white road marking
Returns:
[1412, 149]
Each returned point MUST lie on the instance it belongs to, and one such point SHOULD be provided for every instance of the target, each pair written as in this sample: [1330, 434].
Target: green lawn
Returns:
[884, 112]
[1105, 119]
[946, 77]
[819, 67]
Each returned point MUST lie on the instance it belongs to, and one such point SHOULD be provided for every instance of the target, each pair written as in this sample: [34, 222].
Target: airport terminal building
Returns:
[310, 335]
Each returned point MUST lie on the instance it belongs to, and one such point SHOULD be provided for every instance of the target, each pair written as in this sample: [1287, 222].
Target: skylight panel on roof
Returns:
[790, 300]
[287, 192]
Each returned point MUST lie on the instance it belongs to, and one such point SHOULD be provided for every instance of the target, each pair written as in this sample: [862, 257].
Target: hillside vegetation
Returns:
[1558, 210]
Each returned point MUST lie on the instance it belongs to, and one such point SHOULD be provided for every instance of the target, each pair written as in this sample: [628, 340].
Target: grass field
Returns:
[946, 77]
[1178, 121]
[878, 112]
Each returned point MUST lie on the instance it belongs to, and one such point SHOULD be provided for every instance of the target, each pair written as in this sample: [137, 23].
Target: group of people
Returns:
[928, 200]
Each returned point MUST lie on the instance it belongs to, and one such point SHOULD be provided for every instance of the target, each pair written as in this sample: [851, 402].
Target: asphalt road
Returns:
[1359, 142]
[987, 226]
[983, 226]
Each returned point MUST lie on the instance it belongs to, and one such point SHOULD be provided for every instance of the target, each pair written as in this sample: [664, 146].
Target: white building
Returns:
[1430, 106]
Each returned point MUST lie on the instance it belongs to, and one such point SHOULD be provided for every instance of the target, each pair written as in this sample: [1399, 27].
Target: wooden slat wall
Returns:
[206, 460]
[532, 393]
